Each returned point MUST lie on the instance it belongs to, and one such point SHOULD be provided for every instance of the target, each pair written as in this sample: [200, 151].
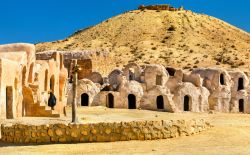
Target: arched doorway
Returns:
[131, 101]
[84, 99]
[241, 105]
[23, 75]
[9, 102]
[30, 79]
[186, 103]
[240, 84]
[46, 80]
[160, 102]
[222, 80]
[110, 101]
[52, 83]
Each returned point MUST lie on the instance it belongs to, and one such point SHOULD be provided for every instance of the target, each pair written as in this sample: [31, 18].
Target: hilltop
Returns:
[181, 39]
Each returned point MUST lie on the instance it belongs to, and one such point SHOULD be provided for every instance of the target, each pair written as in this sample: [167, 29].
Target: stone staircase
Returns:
[37, 106]
[36, 110]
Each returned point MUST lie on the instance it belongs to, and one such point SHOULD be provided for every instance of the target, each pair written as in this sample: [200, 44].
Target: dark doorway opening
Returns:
[222, 80]
[9, 103]
[159, 80]
[130, 77]
[160, 102]
[186, 103]
[131, 101]
[171, 71]
[241, 105]
[240, 84]
[110, 101]
[84, 99]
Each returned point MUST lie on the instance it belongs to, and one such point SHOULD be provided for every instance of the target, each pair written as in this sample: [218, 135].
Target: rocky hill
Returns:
[181, 39]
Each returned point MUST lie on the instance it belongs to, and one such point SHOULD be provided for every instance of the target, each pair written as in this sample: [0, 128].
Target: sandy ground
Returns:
[230, 135]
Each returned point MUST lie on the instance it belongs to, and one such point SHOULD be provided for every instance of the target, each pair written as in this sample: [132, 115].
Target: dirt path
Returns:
[231, 135]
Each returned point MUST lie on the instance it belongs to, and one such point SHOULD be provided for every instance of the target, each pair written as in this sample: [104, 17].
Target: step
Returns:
[43, 111]
[54, 112]
[56, 115]
[47, 108]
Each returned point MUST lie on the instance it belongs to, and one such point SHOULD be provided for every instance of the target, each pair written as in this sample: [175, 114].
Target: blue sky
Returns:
[35, 21]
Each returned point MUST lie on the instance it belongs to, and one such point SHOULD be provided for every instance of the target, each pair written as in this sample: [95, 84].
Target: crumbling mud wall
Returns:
[90, 61]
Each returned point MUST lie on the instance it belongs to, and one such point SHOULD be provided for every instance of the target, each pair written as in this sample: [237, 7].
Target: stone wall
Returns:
[160, 7]
[101, 132]
[100, 61]
[86, 68]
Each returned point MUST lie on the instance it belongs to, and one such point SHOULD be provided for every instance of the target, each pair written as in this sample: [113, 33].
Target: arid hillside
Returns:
[182, 39]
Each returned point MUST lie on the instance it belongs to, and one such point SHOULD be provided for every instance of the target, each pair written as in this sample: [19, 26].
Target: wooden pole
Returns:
[74, 71]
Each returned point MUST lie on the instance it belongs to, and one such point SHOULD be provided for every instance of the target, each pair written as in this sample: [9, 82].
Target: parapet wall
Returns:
[101, 132]
[160, 7]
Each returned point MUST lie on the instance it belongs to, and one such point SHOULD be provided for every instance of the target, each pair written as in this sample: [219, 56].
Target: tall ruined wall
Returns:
[100, 60]
[101, 132]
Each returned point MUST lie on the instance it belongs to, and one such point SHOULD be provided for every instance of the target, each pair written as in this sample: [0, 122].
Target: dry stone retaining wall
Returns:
[101, 132]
